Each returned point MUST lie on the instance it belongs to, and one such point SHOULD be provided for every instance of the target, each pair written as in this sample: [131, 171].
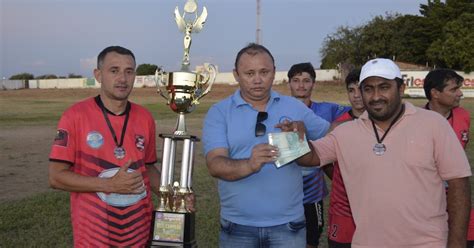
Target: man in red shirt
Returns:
[104, 154]
[443, 91]
[341, 224]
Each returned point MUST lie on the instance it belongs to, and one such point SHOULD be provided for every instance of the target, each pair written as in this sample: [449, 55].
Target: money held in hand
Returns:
[289, 146]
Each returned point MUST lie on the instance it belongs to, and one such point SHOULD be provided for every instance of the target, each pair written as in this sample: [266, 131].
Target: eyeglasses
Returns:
[260, 128]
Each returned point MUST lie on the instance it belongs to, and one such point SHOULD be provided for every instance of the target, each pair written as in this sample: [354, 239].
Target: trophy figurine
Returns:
[173, 224]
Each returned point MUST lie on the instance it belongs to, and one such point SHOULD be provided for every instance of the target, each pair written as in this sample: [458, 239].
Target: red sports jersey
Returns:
[85, 141]
[341, 224]
[460, 120]
[470, 230]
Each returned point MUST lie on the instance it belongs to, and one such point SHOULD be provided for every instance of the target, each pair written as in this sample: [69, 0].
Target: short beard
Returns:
[391, 112]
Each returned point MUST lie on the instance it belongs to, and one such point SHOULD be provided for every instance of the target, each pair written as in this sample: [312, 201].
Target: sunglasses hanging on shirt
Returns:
[260, 128]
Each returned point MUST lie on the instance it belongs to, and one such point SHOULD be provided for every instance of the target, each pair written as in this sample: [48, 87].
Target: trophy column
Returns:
[173, 224]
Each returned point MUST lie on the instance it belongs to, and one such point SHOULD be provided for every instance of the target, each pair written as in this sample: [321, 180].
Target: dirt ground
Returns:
[24, 149]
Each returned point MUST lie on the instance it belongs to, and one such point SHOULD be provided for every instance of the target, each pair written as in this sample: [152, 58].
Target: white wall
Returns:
[60, 83]
[280, 76]
[327, 75]
[6, 84]
[413, 79]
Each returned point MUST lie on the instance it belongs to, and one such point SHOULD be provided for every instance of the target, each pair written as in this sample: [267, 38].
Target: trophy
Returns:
[173, 224]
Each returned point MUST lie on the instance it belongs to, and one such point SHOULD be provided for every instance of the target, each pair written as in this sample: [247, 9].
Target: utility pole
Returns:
[258, 22]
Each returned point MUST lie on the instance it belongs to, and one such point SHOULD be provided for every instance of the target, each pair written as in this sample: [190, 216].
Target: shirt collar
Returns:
[101, 105]
[239, 101]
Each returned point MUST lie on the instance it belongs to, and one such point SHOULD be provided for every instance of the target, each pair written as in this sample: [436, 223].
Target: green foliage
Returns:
[377, 37]
[454, 48]
[22, 76]
[72, 75]
[47, 76]
[341, 47]
[146, 69]
[442, 36]
[409, 41]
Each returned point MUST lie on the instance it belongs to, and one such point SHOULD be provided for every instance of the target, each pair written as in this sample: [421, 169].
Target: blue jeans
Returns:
[289, 235]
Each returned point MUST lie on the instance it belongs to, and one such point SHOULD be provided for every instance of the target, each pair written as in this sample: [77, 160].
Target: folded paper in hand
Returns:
[289, 146]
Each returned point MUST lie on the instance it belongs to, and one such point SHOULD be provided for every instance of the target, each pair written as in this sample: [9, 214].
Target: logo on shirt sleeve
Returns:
[61, 138]
[465, 136]
[140, 142]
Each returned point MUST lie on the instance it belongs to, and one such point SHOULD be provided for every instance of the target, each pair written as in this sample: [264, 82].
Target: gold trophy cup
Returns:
[173, 224]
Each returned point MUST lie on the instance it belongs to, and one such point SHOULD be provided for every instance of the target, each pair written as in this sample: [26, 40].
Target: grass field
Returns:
[42, 219]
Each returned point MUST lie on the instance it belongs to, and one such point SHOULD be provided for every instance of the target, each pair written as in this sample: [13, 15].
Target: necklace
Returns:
[379, 148]
[119, 151]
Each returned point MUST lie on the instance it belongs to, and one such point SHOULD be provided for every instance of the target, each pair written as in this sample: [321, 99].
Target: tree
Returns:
[72, 75]
[377, 37]
[22, 76]
[341, 47]
[410, 42]
[450, 32]
[443, 36]
[146, 69]
[47, 76]
[454, 47]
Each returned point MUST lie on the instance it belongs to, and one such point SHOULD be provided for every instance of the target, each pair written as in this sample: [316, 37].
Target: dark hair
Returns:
[117, 49]
[297, 69]
[253, 49]
[352, 77]
[399, 82]
[438, 78]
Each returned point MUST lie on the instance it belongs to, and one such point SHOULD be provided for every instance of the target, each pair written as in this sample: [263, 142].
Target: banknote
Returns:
[289, 146]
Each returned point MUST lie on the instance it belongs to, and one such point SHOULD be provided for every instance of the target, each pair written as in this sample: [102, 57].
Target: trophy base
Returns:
[171, 229]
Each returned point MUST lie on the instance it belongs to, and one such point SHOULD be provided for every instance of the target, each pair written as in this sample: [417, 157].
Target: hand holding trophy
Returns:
[173, 223]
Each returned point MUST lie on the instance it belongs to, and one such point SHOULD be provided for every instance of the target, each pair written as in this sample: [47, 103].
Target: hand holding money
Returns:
[293, 126]
[262, 154]
[289, 145]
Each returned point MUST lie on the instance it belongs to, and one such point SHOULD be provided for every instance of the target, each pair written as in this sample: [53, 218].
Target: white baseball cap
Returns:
[379, 67]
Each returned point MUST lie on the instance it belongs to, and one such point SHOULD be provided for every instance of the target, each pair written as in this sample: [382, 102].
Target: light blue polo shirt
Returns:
[272, 196]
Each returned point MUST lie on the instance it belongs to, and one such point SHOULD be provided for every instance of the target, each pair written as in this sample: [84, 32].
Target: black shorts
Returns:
[334, 244]
[470, 244]
[314, 222]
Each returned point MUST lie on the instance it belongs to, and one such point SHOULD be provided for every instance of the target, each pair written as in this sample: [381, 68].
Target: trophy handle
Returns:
[160, 74]
[208, 79]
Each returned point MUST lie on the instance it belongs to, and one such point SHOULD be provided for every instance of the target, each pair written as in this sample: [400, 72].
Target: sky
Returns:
[64, 36]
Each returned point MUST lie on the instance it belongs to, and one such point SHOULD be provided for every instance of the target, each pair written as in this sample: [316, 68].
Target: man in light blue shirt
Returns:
[260, 203]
